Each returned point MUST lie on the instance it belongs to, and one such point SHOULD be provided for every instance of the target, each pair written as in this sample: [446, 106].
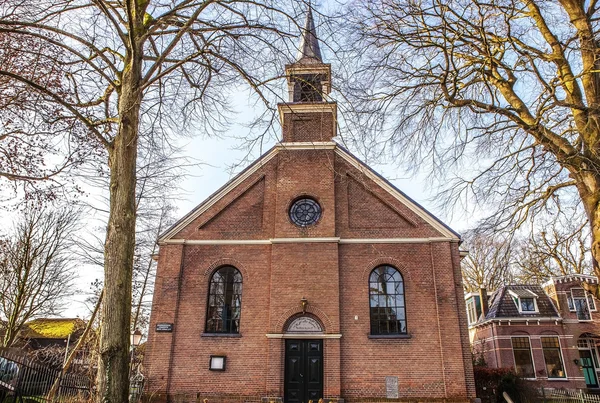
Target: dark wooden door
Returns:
[303, 371]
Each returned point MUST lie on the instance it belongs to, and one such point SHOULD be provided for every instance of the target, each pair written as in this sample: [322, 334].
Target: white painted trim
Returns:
[303, 336]
[317, 107]
[302, 240]
[209, 203]
[308, 145]
[398, 240]
[532, 337]
[418, 210]
[305, 240]
[530, 353]
[571, 277]
[215, 242]
[534, 297]
[400, 197]
[519, 319]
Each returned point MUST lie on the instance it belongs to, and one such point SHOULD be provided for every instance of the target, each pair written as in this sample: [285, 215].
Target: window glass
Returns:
[582, 308]
[471, 311]
[224, 301]
[527, 305]
[591, 302]
[386, 301]
[523, 360]
[553, 357]
[595, 357]
[570, 303]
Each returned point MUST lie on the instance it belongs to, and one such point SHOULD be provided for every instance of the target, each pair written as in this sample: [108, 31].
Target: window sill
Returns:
[389, 336]
[230, 335]
[558, 379]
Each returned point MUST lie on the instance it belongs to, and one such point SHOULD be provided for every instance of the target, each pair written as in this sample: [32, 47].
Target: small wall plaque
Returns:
[391, 387]
[164, 327]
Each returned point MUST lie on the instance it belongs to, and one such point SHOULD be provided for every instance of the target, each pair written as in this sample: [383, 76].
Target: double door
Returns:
[303, 371]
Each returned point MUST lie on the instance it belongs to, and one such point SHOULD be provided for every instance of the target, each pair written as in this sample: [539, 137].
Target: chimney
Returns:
[483, 298]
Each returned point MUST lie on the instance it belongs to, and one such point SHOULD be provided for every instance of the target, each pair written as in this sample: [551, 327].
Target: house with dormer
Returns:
[309, 276]
[548, 333]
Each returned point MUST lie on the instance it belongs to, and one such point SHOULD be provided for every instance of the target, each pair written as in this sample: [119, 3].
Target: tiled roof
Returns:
[502, 304]
[523, 293]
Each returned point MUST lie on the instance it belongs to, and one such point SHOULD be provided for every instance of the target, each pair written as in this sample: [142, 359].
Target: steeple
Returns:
[309, 51]
[309, 79]
[308, 116]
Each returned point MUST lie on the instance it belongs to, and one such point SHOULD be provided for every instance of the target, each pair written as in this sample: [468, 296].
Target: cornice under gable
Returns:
[420, 211]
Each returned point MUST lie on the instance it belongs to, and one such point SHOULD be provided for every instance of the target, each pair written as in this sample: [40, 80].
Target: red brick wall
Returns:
[303, 127]
[497, 348]
[433, 364]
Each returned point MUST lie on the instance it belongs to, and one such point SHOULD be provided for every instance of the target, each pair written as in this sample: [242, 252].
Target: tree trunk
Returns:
[589, 191]
[113, 370]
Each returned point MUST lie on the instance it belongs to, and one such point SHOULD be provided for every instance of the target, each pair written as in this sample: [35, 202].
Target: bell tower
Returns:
[308, 116]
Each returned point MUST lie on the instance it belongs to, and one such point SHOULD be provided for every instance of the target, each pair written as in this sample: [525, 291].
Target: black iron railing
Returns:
[23, 379]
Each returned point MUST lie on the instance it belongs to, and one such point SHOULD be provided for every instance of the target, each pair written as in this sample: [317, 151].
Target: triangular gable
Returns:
[218, 195]
[429, 218]
[396, 193]
[364, 203]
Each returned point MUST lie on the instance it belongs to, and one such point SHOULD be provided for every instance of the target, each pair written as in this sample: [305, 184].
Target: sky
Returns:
[217, 155]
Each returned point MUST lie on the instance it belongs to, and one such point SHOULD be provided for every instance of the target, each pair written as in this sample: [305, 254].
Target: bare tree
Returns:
[502, 97]
[39, 146]
[36, 267]
[488, 264]
[143, 70]
[557, 250]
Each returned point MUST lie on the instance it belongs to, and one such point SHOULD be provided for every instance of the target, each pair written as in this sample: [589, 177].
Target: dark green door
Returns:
[589, 372]
[303, 371]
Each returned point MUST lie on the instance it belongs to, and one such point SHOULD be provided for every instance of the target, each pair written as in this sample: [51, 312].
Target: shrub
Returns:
[492, 382]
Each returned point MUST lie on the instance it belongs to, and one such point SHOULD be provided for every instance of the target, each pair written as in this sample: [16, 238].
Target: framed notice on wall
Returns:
[164, 327]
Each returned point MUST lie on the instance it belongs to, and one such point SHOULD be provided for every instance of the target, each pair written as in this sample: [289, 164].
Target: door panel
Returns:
[589, 372]
[303, 371]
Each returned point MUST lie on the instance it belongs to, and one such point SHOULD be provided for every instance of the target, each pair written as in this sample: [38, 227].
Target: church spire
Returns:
[309, 79]
[309, 51]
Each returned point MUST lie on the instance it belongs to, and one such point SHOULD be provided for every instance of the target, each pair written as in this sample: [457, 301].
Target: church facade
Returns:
[309, 276]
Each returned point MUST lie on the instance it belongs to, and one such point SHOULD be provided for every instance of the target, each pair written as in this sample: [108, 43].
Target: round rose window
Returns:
[305, 212]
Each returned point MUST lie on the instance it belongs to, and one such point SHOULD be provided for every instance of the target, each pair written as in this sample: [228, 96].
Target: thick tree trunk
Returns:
[589, 191]
[113, 370]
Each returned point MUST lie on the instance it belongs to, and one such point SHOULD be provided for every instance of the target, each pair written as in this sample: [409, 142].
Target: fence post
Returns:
[543, 395]
[581, 396]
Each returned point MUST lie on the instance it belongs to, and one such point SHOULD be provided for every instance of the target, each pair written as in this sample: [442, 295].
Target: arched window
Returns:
[224, 301]
[386, 300]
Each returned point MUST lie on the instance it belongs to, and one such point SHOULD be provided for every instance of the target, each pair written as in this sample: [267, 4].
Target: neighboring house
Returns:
[548, 333]
[50, 332]
[308, 276]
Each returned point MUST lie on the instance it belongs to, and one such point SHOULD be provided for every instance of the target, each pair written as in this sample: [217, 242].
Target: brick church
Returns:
[309, 276]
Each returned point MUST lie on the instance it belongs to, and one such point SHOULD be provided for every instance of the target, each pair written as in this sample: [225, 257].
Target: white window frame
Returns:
[587, 303]
[471, 302]
[530, 353]
[518, 302]
[589, 295]
[562, 358]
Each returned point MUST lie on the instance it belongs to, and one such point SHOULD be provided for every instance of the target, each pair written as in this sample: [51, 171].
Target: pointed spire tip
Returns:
[309, 50]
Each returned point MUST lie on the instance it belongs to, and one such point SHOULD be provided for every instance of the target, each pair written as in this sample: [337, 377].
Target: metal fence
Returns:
[567, 396]
[25, 380]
